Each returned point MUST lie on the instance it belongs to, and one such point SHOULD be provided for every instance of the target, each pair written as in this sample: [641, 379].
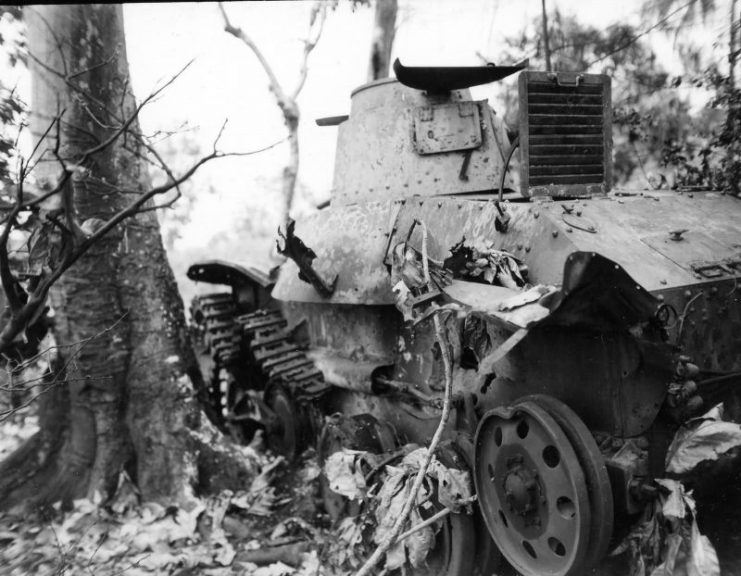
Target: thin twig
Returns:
[421, 474]
[63, 370]
[635, 38]
[138, 135]
[431, 520]
[319, 10]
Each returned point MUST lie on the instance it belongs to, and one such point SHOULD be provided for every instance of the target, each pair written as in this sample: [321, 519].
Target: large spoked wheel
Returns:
[532, 491]
[286, 430]
[360, 432]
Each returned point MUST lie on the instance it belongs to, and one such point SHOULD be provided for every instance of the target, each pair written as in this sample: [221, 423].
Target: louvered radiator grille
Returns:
[565, 134]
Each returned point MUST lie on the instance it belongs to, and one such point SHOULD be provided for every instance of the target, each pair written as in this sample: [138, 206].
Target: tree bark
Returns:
[121, 395]
[384, 31]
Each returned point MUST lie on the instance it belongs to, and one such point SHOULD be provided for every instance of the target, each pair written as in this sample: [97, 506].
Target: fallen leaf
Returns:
[277, 569]
[419, 544]
[344, 475]
[396, 556]
[454, 487]
[673, 504]
[705, 438]
[703, 559]
[404, 300]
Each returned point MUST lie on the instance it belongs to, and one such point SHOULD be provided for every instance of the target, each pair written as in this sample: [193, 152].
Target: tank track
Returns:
[271, 346]
[256, 351]
[213, 316]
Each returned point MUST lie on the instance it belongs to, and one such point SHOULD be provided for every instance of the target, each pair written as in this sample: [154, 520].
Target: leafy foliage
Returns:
[11, 114]
[658, 136]
[667, 541]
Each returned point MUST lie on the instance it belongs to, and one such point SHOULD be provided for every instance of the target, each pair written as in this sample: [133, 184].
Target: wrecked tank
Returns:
[581, 324]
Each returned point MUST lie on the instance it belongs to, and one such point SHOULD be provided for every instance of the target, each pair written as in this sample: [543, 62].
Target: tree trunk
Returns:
[384, 31]
[546, 40]
[290, 172]
[732, 50]
[122, 395]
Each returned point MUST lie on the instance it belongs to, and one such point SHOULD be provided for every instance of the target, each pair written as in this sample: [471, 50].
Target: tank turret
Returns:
[401, 142]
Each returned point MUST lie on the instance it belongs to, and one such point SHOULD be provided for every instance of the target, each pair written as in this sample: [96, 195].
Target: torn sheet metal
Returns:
[600, 294]
[295, 249]
[349, 241]
[504, 304]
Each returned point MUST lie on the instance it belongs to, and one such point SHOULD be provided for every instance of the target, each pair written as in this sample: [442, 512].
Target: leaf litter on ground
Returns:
[215, 535]
[127, 536]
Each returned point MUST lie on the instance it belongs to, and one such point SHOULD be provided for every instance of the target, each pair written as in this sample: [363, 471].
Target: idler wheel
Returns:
[287, 430]
[360, 432]
[593, 464]
[532, 490]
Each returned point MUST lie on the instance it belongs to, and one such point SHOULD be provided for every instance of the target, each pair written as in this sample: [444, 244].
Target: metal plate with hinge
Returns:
[718, 268]
[447, 127]
[565, 134]
[697, 252]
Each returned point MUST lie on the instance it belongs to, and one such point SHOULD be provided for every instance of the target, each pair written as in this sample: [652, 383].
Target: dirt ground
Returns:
[274, 527]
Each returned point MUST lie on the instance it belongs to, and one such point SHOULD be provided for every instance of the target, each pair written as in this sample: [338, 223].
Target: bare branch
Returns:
[286, 103]
[75, 243]
[102, 64]
[238, 33]
[37, 298]
[55, 36]
[132, 117]
[317, 19]
[218, 136]
[55, 122]
[137, 134]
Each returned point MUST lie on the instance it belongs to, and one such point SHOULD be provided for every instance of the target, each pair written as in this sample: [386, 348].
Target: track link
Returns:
[280, 359]
[248, 353]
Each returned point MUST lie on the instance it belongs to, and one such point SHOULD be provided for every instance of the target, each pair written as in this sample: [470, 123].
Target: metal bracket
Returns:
[712, 270]
[295, 249]
[556, 77]
[447, 128]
